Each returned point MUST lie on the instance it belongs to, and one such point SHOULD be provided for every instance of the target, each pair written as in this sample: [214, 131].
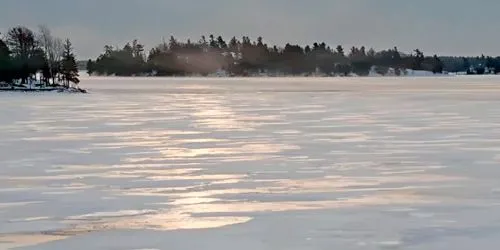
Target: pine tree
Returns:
[5, 63]
[418, 59]
[173, 44]
[69, 67]
[24, 48]
[466, 65]
[340, 51]
[221, 43]
[233, 45]
[437, 65]
[307, 49]
[90, 67]
[213, 43]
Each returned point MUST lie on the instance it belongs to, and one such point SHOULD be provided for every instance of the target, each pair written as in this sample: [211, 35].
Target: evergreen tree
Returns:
[221, 43]
[438, 65]
[343, 69]
[418, 59]
[307, 49]
[213, 43]
[293, 59]
[480, 70]
[359, 61]
[396, 60]
[247, 57]
[233, 45]
[497, 65]
[25, 52]
[90, 67]
[340, 51]
[490, 64]
[173, 44]
[363, 51]
[161, 61]
[371, 52]
[6, 67]
[69, 67]
[466, 65]
[203, 43]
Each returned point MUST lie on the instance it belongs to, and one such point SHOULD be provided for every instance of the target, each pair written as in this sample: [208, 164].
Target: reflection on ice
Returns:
[211, 155]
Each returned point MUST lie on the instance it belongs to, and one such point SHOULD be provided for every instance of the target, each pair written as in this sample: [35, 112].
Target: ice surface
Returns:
[290, 163]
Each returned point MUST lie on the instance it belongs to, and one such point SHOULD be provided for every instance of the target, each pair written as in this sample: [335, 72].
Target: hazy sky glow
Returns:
[447, 27]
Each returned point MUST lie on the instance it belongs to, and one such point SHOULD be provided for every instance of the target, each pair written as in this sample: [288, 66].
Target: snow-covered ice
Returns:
[264, 163]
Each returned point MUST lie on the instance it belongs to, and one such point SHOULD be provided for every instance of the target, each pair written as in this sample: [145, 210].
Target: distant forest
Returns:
[28, 58]
[245, 57]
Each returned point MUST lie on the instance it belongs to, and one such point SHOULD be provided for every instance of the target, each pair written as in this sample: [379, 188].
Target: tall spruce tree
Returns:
[69, 66]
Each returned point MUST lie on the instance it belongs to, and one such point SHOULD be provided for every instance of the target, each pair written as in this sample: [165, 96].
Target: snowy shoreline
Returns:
[55, 89]
[36, 85]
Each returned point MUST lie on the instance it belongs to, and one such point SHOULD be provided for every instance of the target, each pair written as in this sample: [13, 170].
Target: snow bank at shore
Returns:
[34, 85]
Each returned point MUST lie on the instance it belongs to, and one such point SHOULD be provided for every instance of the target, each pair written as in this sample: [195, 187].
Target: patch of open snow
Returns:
[423, 73]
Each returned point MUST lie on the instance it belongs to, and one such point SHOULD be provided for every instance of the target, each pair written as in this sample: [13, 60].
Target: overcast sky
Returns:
[449, 27]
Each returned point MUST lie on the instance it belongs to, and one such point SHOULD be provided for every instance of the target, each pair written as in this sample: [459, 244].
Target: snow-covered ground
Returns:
[295, 163]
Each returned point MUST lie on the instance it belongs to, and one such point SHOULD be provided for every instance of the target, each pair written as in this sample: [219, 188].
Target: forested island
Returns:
[32, 61]
[39, 61]
[215, 56]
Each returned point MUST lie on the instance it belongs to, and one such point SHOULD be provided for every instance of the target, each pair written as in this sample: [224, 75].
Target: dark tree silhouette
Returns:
[35, 59]
[361, 63]
[69, 68]
[90, 67]
[437, 66]
[25, 52]
[246, 57]
[418, 60]
[6, 66]
[340, 51]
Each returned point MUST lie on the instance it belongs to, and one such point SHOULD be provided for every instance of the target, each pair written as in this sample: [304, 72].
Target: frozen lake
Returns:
[253, 164]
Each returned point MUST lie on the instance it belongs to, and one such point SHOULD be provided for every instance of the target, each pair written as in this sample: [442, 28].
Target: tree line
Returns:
[242, 57]
[27, 57]
[472, 65]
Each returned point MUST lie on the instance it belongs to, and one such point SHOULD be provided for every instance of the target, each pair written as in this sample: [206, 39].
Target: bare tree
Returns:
[58, 52]
[53, 48]
[46, 41]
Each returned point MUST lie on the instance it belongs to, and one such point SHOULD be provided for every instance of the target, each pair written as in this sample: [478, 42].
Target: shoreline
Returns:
[57, 90]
